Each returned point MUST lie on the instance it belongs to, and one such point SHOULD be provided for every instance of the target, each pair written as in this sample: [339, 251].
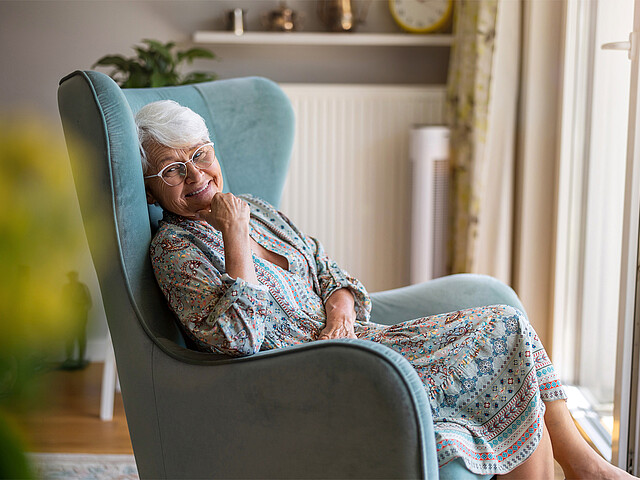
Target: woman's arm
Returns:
[341, 315]
[223, 313]
[332, 279]
[230, 216]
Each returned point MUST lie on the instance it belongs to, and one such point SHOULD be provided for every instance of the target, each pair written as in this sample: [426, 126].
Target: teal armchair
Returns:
[334, 409]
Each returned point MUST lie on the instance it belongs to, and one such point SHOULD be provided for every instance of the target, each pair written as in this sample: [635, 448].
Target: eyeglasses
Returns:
[175, 173]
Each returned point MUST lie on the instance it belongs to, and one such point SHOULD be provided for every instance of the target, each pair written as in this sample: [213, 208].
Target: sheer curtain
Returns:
[503, 107]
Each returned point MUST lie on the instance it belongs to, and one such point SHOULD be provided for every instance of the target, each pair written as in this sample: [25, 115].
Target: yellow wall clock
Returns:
[422, 16]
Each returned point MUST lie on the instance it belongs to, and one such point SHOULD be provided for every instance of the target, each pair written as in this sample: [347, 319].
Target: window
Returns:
[591, 206]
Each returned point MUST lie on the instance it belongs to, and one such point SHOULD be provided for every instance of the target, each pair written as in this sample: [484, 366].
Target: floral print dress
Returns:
[484, 369]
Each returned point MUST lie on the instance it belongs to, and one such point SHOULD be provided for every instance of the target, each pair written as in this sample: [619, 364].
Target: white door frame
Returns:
[626, 427]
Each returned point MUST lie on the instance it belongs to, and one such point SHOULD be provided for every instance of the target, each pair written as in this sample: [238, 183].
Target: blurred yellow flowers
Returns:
[40, 237]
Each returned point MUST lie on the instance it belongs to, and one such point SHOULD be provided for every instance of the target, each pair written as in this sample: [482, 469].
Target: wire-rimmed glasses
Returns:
[175, 173]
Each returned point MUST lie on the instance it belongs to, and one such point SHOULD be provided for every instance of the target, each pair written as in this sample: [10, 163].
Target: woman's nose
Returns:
[193, 172]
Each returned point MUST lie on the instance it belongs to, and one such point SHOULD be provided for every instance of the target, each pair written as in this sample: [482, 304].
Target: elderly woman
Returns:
[242, 278]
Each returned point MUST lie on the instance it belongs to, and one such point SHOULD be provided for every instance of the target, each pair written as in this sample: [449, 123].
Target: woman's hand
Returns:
[337, 330]
[228, 213]
[341, 316]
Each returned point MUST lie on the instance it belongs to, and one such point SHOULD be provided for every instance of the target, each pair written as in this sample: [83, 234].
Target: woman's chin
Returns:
[202, 204]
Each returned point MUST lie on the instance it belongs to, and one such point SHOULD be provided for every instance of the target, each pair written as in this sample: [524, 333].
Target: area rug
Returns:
[80, 466]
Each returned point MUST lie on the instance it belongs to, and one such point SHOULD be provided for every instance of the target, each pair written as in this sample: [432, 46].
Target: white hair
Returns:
[170, 124]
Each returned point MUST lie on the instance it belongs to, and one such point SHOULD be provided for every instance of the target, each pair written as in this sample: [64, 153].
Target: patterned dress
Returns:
[484, 369]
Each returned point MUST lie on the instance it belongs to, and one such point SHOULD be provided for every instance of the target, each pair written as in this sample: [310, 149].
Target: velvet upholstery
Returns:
[334, 409]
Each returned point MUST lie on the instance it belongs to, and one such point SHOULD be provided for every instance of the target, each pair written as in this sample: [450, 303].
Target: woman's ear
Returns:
[150, 198]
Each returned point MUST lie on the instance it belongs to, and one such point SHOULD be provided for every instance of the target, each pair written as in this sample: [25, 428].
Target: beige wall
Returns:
[44, 40]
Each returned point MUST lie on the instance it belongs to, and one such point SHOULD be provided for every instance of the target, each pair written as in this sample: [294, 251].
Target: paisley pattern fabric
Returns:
[486, 374]
[231, 316]
[484, 369]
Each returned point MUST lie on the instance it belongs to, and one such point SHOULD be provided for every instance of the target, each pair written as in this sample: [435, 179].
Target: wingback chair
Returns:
[331, 409]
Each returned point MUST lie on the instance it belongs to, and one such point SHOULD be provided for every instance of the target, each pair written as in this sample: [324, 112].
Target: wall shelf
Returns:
[323, 39]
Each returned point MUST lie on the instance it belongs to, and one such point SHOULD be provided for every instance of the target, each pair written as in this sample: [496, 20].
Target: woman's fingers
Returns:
[330, 333]
[227, 211]
[340, 317]
[227, 204]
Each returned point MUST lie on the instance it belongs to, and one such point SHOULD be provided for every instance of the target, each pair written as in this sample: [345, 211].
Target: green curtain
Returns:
[468, 90]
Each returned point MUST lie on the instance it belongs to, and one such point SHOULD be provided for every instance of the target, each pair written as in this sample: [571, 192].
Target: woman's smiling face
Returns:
[195, 192]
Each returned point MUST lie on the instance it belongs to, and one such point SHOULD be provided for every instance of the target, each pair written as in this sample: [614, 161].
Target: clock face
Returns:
[421, 15]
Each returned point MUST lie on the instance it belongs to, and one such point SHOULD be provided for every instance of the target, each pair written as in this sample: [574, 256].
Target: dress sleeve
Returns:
[331, 278]
[221, 313]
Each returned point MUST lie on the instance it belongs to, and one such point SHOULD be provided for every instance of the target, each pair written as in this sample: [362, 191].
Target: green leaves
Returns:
[194, 53]
[156, 65]
[195, 77]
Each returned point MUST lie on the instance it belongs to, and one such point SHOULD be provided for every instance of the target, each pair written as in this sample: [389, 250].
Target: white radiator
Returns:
[350, 182]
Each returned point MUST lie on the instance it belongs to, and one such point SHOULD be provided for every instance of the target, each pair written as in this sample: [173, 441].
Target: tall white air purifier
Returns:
[429, 153]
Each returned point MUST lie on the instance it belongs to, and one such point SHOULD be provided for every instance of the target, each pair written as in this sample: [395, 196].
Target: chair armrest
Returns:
[441, 295]
[331, 409]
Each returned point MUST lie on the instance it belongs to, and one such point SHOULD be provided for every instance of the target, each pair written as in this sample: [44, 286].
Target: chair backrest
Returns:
[252, 125]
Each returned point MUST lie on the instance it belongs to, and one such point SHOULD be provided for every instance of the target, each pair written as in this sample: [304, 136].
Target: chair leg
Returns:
[108, 382]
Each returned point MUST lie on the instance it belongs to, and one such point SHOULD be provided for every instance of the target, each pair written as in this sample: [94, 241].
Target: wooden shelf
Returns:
[323, 39]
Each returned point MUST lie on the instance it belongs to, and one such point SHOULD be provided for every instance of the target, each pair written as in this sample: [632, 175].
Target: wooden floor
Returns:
[67, 417]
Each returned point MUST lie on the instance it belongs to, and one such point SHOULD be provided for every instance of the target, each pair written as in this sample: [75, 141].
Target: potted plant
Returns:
[156, 65]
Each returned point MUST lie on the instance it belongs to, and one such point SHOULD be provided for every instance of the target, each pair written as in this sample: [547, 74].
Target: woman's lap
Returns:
[486, 374]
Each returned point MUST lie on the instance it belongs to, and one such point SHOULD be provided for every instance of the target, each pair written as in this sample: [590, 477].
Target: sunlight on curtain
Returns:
[482, 104]
[467, 105]
[494, 244]
[537, 156]
[503, 96]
